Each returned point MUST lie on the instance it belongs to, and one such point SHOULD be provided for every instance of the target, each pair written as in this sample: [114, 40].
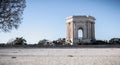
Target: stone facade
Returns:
[76, 23]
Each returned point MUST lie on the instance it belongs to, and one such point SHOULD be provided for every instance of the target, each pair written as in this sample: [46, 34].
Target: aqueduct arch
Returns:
[76, 23]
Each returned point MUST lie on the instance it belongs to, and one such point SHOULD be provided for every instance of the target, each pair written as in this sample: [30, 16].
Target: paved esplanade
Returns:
[70, 56]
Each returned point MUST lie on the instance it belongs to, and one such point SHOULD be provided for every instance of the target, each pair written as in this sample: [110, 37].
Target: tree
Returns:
[17, 41]
[100, 42]
[114, 41]
[10, 42]
[20, 41]
[43, 42]
[11, 14]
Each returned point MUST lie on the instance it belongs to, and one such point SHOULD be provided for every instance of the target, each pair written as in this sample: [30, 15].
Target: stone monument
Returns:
[76, 23]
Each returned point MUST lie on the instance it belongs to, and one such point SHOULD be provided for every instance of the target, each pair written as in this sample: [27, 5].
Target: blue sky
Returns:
[46, 19]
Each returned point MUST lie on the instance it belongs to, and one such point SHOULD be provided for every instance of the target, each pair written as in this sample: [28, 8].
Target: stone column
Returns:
[67, 32]
[84, 32]
[93, 30]
[75, 32]
[90, 30]
[72, 33]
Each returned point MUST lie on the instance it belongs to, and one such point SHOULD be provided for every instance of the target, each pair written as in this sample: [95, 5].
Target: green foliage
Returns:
[20, 41]
[10, 42]
[100, 42]
[114, 41]
[45, 42]
[11, 14]
[60, 41]
[42, 42]
[17, 41]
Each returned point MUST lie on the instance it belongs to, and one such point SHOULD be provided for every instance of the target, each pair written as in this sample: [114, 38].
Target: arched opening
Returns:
[80, 34]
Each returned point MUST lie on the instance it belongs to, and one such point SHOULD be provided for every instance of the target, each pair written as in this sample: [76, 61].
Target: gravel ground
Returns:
[53, 56]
